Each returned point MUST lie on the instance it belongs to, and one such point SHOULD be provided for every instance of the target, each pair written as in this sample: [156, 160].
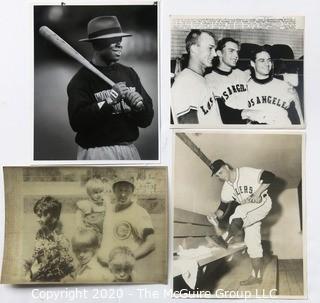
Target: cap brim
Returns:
[108, 36]
[123, 181]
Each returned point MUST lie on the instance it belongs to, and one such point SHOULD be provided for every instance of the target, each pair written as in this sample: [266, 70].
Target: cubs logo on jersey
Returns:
[122, 230]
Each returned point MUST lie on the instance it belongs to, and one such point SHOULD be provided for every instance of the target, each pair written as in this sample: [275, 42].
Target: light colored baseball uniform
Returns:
[231, 86]
[191, 92]
[124, 228]
[268, 102]
[247, 182]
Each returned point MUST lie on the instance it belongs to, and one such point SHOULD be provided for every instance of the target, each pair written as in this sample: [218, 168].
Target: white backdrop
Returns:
[16, 115]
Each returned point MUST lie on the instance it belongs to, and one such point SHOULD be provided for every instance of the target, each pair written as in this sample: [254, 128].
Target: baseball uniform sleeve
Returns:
[144, 224]
[184, 96]
[296, 102]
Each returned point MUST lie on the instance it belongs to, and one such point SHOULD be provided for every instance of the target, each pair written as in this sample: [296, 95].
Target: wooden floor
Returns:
[284, 275]
[240, 269]
[290, 277]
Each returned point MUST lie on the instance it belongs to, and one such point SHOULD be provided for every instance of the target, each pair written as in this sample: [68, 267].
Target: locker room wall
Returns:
[293, 38]
[196, 190]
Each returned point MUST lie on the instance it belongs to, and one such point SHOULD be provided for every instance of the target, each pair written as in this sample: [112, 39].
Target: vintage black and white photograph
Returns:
[96, 82]
[244, 71]
[85, 225]
[239, 215]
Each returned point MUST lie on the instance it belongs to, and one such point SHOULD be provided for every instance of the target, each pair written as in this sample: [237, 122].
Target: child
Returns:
[90, 213]
[121, 263]
[84, 245]
[51, 260]
[126, 224]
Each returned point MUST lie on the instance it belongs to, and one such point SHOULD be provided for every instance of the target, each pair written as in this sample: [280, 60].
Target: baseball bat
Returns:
[50, 35]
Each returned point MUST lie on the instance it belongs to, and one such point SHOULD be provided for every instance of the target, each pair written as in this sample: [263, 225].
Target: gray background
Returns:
[53, 69]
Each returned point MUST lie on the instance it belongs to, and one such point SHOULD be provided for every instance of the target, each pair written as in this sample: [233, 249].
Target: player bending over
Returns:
[248, 187]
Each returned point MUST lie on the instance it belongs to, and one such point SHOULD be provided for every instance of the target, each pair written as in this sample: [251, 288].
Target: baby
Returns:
[90, 213]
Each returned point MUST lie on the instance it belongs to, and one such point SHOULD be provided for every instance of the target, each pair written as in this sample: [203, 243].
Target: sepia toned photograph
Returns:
[239, 215]
[244, 71]
[96, 82]
[83, 225]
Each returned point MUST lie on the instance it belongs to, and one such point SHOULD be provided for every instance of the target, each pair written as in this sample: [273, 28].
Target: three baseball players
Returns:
[238, 97]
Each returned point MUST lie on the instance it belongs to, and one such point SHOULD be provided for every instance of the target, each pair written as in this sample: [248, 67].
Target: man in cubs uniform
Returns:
[228, 83]
[248, 187]
[192, 100]
[126, 224]
[269, 99]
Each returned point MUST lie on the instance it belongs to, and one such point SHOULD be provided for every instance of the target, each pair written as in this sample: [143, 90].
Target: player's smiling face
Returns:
[229, 55]
[109, 49]
[123, 192]
[223, 173]
[205, 50]
[262, 65]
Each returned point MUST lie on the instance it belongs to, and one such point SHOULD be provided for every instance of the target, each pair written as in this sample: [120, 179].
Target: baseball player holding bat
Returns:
[107, 118]
[248, 187]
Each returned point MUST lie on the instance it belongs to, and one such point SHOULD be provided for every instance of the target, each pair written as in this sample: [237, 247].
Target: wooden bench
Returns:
[190, 232]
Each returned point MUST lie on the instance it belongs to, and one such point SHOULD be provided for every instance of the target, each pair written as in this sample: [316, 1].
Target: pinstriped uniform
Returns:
[247, 182]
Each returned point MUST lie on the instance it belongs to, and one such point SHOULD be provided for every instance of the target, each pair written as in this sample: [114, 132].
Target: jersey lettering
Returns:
[267, 100]
[206, 108]
[245, 189]
[233, 89]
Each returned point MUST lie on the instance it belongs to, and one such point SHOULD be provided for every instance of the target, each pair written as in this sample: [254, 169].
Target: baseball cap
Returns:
[216, 165]
[122, 181]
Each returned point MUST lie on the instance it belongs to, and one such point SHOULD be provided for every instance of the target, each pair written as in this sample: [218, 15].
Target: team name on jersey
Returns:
[207, 107]
[244, 189]
[267, 100]
[233, 89]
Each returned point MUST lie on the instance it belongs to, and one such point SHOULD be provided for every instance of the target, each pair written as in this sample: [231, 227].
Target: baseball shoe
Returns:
[220, 241]
[251, 281]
